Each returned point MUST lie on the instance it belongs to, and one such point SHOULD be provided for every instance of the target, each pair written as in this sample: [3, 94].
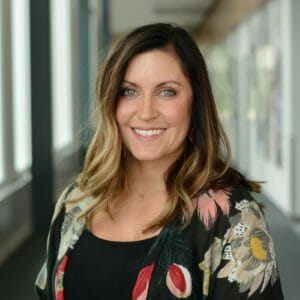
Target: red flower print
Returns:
[141, 286]
[59, 277]
[179, 281]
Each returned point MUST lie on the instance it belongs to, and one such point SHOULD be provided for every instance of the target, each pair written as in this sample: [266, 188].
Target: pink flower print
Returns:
[141, 286]
[179, 281]
[206, 205]
[59, 289]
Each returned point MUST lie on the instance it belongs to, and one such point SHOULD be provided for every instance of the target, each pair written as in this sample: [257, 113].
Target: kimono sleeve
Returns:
[241, 264]
[43, 280]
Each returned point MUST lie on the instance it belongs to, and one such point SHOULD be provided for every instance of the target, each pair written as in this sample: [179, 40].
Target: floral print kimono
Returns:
[225, 253]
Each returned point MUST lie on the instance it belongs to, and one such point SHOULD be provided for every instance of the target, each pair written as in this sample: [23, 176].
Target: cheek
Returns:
[122, 113]
[179, 116]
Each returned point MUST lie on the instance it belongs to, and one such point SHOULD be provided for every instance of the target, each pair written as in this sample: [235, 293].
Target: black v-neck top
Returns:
[99, 269]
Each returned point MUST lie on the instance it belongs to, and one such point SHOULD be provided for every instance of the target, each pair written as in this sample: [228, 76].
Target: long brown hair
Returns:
[205, 162]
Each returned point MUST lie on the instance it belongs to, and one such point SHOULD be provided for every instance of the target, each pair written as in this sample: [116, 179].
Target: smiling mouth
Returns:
[149, 132]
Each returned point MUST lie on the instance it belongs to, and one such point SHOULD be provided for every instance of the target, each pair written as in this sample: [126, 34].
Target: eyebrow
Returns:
[159, 85]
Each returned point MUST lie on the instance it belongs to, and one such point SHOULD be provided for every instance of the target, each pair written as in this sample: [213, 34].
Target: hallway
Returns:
[50, 53]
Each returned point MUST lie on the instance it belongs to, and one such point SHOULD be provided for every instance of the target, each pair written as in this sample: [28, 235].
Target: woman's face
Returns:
[154, 108]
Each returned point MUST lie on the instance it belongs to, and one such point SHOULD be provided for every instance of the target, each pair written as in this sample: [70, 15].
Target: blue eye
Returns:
[128, 92]
[167, 93]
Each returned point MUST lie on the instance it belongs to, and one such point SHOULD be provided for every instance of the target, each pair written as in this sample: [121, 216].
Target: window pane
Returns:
[1, 107]
[61, 73]
[21, 84]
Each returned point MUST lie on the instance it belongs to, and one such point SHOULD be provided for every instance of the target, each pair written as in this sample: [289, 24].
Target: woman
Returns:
[157, 212]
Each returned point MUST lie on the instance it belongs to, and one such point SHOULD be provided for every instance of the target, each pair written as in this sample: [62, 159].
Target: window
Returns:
[61, 73]
[1, 105]
[21, 84]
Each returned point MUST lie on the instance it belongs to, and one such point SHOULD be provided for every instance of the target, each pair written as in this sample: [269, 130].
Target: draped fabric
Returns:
[225, 253]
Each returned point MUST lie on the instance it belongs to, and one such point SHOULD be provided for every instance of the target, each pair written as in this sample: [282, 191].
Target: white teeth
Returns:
[148, 132]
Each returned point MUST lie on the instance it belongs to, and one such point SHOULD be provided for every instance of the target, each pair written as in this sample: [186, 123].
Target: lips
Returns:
[148, 132]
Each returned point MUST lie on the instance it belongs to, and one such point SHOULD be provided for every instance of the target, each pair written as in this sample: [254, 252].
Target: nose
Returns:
[147, 109]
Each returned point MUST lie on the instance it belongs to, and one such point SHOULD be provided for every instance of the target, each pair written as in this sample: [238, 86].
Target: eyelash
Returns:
[170, 92]
[128, 92]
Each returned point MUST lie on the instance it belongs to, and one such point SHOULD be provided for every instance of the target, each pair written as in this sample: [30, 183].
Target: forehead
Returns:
[160, 63]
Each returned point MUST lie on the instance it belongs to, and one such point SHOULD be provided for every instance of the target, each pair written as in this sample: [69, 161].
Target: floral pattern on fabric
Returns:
[179, 281]
[250, 251]
[69, 231]
[228, 236]
[59, 278]
[73, 225]
[41, 279]
[206, 206]
[212, 260]
[141, 287]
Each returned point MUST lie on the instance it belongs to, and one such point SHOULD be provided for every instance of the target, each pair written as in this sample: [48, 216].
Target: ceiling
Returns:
[128, 14]
[225, 15]
[209, 20]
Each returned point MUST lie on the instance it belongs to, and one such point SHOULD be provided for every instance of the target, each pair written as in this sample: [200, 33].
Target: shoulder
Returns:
[246, 213]
[241, 244]
[249, 248]
[246, 222]
[230, 214]
[63, 196]
[71, 200]
[221, 209]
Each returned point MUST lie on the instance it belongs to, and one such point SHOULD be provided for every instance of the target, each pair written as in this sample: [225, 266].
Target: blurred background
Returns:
[50, 51]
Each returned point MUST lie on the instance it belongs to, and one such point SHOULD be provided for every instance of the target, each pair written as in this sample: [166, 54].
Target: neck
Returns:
[146, 176]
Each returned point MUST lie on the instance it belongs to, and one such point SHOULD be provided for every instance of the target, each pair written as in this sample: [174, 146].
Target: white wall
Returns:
[262, 53]
[293, 88]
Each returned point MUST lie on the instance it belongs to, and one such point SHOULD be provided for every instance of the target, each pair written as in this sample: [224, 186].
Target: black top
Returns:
[99, 269]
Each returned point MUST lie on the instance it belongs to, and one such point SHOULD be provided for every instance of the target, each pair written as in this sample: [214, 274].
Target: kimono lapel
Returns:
[73, 225]
[71, 230]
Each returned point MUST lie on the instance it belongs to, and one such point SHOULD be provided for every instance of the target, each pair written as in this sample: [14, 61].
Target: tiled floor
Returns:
[17, 275]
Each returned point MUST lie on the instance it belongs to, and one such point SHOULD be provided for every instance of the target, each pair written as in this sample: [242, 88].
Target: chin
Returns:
[146, 156]
[153, 157]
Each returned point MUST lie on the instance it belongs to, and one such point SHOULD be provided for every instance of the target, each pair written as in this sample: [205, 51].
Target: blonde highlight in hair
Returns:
[205, 162]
